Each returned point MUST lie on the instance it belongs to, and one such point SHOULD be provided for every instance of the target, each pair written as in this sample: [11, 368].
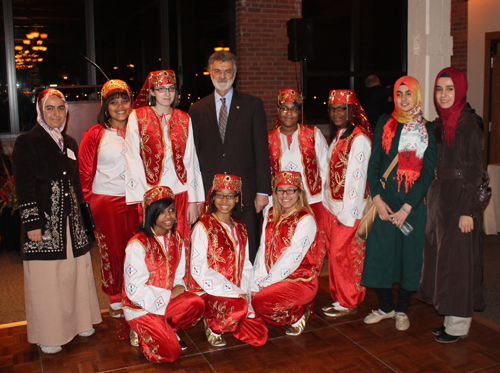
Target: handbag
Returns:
[485, 191]
[370, 211]
[88, 219]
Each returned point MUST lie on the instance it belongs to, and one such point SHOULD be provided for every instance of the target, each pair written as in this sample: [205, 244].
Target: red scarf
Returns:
[451, 115]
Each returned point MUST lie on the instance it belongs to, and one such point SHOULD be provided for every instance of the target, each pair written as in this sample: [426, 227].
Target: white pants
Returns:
[457, 326]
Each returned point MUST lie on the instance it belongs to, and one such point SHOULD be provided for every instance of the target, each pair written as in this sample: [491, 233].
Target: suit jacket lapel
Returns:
[212, 114]
[233, 113]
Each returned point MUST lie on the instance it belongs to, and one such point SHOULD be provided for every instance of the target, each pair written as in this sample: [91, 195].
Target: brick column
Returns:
[262, 49]
[459, 29]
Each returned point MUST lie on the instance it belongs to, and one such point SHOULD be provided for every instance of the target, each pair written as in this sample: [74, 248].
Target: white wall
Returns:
[484, 16]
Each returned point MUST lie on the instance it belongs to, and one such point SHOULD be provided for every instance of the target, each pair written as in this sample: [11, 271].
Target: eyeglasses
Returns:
[340, 109]
[229, 197]
[289, 191]
[171, 89]
[286, 109]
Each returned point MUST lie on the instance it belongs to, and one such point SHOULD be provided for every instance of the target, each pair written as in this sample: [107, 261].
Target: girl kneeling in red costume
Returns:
[155, 300]
[285, 278]
[221, 271]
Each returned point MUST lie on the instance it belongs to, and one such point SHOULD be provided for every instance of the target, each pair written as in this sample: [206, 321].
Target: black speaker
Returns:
[300, 35]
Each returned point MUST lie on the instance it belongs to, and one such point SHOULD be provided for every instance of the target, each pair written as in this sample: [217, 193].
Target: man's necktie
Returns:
[223, 119]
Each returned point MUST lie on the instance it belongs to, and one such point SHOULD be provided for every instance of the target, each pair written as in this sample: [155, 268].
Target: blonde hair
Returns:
[302, 202]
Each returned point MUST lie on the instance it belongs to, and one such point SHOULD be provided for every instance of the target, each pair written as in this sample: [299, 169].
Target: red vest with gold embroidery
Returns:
[278, 238]
[153, 142]
[307, 139]
[161, 265]
[222, 255]
[337, 167]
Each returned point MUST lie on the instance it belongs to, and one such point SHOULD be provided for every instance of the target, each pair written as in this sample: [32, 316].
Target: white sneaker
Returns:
[87, 334]
[50, 349]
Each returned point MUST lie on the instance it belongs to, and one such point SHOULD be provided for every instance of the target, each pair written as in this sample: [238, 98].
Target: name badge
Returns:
[71, 154]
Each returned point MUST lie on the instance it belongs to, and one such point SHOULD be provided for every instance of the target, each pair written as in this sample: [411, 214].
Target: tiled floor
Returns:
[327, 345]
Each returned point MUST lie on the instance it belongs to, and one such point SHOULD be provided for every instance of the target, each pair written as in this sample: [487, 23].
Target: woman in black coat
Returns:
[452, 275]
[60, 293]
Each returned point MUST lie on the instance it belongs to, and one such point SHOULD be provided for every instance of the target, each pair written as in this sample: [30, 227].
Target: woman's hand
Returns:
[399, 217]
[35, 235]
[382, 208]
[466, 224]
[192, 213]
[177, 290]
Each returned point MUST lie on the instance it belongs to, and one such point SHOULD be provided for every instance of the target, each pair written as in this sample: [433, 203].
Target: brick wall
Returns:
[459, 27]
[262, 49]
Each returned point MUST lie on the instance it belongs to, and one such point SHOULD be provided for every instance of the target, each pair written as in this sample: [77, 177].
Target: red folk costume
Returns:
[154, 265]
[161, 151]
[285, 276]
[102, 167]
[304, 151]
[345, 194]
[221, 272]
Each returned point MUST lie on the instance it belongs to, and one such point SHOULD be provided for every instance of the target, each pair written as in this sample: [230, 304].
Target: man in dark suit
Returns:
[376, 100]
[230, 134]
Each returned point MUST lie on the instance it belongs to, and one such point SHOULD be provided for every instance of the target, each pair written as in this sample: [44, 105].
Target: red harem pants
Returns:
[229, 315]
[157, 339]
[346, 258]
[319, 245]
[284, 302]
[115, 222]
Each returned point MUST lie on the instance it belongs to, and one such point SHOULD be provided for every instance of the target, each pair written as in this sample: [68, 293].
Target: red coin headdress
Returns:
[288, 178]
[357, 115]
[290, 95]
[154, 195]
[113, 84]
[230, 182]
[154, 79]
[223, 181]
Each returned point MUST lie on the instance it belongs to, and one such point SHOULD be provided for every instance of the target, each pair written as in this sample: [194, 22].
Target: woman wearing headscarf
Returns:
[452, 276]
[391, 256]
[102, 169]
[161, 150]
[344, 196]
[61, 298]
[294, 146]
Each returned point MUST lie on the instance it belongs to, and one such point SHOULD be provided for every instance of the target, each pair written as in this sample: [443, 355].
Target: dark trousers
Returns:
[386, 300]
[252, 223]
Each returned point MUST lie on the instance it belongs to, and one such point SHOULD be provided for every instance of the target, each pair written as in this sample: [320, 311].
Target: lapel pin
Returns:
[237, 106]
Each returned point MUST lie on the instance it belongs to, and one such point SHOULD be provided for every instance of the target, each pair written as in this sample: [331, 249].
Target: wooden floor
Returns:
[327, 345]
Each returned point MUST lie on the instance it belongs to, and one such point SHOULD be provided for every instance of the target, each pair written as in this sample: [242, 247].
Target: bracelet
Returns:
[405, 210]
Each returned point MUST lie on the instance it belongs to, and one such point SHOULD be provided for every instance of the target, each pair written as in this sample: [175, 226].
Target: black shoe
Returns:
[439, 330]
[446, 338]
[183, 345]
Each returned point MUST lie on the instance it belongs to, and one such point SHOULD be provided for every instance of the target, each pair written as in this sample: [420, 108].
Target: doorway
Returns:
[491, 112]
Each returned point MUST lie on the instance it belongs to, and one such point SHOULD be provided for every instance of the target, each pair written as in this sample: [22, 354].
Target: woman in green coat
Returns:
[392, 257]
